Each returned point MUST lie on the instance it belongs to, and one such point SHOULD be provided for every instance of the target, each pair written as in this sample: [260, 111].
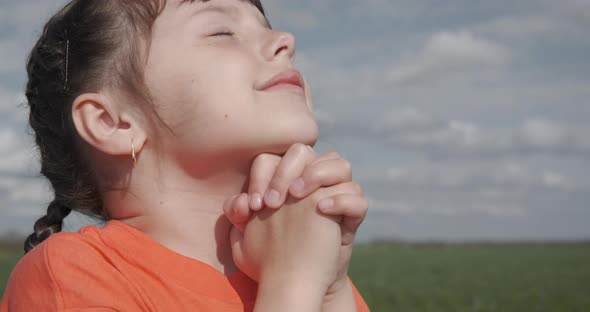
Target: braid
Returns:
[58, 144]
[48, 224]
[86, 45]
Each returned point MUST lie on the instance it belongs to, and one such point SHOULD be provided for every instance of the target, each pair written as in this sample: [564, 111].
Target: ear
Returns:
[107, 126]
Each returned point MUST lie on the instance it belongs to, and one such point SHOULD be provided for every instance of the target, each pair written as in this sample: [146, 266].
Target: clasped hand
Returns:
[298, 219]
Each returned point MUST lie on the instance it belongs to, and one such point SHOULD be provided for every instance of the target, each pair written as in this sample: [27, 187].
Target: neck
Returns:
[180, 211]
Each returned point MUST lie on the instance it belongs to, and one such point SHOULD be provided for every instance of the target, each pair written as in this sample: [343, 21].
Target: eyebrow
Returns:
[230, 10]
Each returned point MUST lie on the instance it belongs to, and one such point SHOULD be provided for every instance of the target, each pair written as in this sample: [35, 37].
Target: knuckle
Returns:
[266, 157]
[279, 176]
[317, 196]
[346, 165]
[261, 168]
[333, 154]
[235, 210]
[315, 175]
[308, 152]
[356, 188]
[277, 185]
[299, 148]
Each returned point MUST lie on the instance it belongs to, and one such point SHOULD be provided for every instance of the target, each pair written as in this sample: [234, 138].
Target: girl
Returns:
[185, 125]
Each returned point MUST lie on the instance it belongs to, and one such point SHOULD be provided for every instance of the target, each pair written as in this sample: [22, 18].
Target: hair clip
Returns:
[67, 60]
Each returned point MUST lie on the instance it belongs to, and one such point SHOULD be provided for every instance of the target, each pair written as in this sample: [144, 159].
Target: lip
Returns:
[290, 76]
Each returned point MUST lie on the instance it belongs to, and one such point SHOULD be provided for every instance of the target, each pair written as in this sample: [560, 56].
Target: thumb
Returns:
[241, 259]
[236, 210]
[235, 239]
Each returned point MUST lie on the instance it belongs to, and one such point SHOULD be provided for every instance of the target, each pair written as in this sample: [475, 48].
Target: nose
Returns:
[279, 45]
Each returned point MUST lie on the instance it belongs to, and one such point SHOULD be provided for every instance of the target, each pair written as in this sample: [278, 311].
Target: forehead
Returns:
[230, 7]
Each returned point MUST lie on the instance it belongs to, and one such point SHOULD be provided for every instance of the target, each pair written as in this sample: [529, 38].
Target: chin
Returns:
[281, 138]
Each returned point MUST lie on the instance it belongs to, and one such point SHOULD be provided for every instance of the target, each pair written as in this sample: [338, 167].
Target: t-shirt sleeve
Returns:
[30, 286]
[65, 274]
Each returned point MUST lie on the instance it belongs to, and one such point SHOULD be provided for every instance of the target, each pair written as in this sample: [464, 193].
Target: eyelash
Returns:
[223, 33]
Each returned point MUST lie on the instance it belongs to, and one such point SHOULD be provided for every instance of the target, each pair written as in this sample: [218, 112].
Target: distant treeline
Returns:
[17, 243]
[401, 242]
[13, 243]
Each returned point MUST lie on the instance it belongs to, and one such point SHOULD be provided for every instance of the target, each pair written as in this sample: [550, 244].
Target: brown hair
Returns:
[87, 45]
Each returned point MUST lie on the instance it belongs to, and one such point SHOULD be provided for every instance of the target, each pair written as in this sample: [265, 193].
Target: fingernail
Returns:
[256, 201]
[326, 204]
[272, 198]
[297, 186]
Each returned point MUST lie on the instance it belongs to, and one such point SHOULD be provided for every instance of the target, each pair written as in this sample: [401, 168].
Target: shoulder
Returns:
[32, 282]
[63, 255]
[67, 269]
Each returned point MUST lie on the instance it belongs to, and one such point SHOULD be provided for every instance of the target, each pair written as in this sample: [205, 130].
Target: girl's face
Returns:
[207, 63]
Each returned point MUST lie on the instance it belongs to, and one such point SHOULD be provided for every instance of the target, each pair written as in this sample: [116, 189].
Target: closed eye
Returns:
[222, 33]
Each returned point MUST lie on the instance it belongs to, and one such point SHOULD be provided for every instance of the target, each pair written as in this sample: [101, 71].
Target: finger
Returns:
[227, 207]
[323, 173]
[241, 212]
[236, 238]
[347, 188]
[237, 211]
[352, 207]
[347, 205]
[328, 155]
[351, 188]
[263, 168]
[290, 168]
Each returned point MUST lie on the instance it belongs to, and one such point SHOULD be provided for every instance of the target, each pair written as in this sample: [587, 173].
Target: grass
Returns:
[484, 277]
[472, 277]
[9, 256]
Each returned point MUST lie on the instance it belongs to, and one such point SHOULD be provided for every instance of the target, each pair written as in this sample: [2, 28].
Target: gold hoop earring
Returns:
[133, 153]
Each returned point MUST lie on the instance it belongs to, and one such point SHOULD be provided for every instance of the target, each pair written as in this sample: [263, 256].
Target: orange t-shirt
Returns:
[119, 268]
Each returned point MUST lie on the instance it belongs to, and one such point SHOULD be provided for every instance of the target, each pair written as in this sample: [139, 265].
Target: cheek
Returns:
[202, 96]
[210, 102]
[214, 109]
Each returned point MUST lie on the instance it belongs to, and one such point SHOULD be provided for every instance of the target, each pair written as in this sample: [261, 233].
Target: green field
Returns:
[475, 277]
[8, 258]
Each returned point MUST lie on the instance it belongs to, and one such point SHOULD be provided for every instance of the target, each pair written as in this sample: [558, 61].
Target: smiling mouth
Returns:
[290, 79]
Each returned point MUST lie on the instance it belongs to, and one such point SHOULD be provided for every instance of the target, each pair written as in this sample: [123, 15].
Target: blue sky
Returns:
[463, 119]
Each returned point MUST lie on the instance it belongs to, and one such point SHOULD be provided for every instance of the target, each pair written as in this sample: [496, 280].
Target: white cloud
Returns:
[300, 20]
[554, 180]
[9, 141]
[483, 117]
[21, 15]
[407, 117]
[388, 206]
[544, 133]
[450, 175]
[464, 47]
[414, 129]
[22, 197]
[291, 18]
[16, 155]
[410, 206]
[448, 52]
[12, 59]
[10, 103]
[520, 27]
[23, 20]
[31, 190]
[503, 210]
